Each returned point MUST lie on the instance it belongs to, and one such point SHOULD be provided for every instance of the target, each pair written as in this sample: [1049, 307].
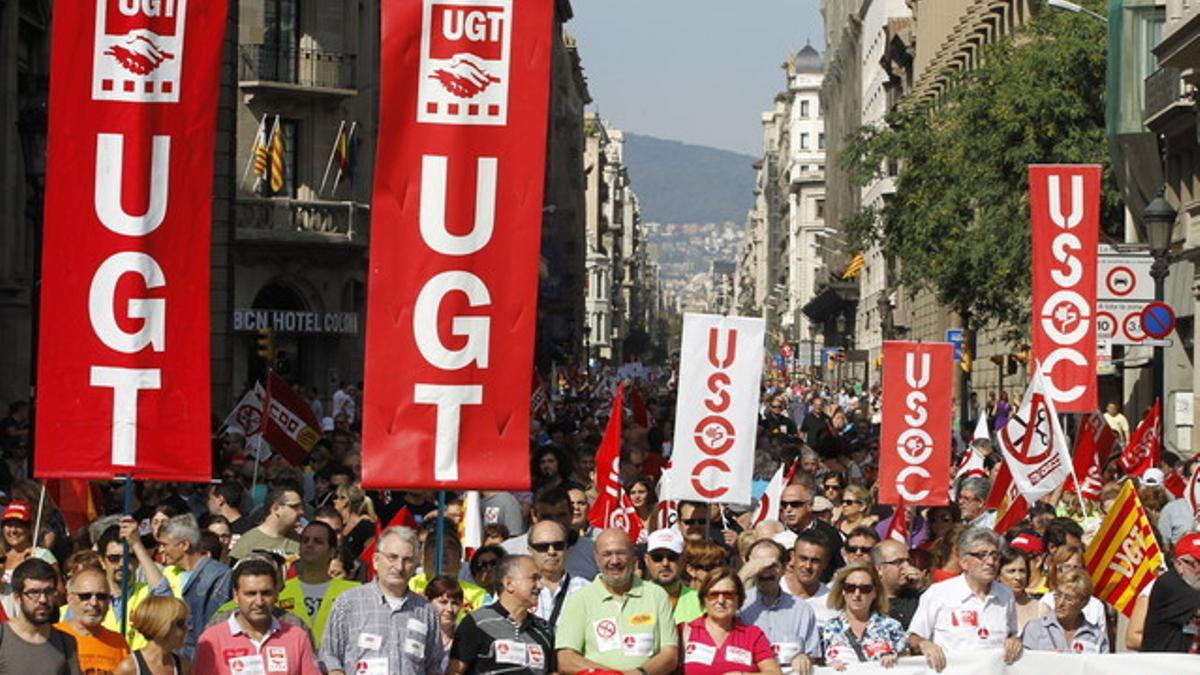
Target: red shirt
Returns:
[225, 649]
[744, 648]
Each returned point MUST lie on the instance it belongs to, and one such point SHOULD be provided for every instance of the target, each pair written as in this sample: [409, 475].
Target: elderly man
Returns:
[972, 502]
[788, 623]
[891, 561]
[795, 508]
[968, 612]
[204, 582]
[617, 622]
[100, 649]
[555, 504]
[505, 636]
[382, 628]
[1171, 623]
[29, 643]
[664, 548]
[548, 547]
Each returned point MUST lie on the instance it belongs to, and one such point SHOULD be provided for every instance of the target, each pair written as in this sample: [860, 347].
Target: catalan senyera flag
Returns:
[857, 263]
[344, 154]
[259, 152]
[276, 154]
[1123, 556]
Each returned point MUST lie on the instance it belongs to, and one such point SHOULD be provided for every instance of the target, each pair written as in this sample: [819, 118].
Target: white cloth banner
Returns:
[716, 417]
[1034, 445]
[1035, 663]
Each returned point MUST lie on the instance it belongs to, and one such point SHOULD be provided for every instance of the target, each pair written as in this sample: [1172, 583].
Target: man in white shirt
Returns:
[968, 612]
[548, 546]
[810, 557]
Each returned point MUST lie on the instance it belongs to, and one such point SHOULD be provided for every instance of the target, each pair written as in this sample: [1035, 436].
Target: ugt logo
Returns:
[465, 54]
[138, 50]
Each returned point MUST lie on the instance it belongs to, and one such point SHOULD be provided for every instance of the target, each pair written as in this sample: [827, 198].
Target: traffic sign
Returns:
[1158, 320]
[955, 337]
[786, 350]
[1123, 289]
[1120, 281]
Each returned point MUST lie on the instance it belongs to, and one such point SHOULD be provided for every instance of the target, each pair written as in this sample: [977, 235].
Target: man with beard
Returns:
[252, 640]
[664, 548]
[100, 649]
[891, 561]
[505, 636]
[796, 512]
[790, 624]
[1173, 615]
[968, 612]
[29, 643]
[810, 559]
[548, 546]
[619, 621]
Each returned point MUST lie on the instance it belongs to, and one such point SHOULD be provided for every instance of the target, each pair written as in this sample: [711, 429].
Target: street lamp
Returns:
[1074, 8]
[1159, 219]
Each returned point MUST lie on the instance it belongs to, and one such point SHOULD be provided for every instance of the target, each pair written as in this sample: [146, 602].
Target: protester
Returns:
[855, 513]
[700, 558]
[311, 593]
[862, 630]
[252, 639]
[718, 642]
[1068, 558]
[1014, 573]
[1171, 616]
[505, 636]
[452, 552]
[203, 582]
[29, 643]
[789, 624]
[277, 531]
[446, 596]
[898, 578]
[164, 622]
[17, 526]
[810, 559]
[634, 633]
[859, 543]
[548, 547]
[1067, 629]
[796, 510]
[100, 650]
[972, 502]
[141, 566]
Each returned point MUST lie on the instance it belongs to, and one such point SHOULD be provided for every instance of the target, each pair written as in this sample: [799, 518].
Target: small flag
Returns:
[768, 505]
[539, 400]
[1145, 447]
[972, 465]
[857, 263]
[613, 507]
[981, 426]
[403, 517]
[246, 416]
[668, 509]
[1033, 443]
[1010, 505]
[290, 425]
[1093, 446]
[345, 154]
[470, 528]
[1123, 556]
[898, 529]
[276, 151]
[259, 153]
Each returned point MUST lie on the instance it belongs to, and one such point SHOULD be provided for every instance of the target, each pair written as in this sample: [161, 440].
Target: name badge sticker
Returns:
[638, 644]
[738, 655]
[695, 652]
[369, 641]
[247, 665]
[372, 666]
[510, 651]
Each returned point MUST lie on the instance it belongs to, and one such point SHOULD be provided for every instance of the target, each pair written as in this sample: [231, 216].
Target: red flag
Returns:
[1175, 483]
[914, 448]
[1094, 444]
[898, 529]
[290, 425]
[612, 507]
[1145, 447]
[76, 498]
[403, 517]
[1010, 505]
[1192, 493]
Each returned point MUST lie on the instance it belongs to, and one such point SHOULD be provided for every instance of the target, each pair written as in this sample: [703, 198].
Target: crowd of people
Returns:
[275, 568]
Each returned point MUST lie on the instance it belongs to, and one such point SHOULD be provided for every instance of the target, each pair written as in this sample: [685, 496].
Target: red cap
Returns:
[1027, 544]
[17, 510]
[1190, 543]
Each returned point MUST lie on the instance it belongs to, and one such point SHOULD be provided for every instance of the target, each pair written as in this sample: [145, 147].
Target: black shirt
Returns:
[904, 606]
[1173, 609]
[490, 641]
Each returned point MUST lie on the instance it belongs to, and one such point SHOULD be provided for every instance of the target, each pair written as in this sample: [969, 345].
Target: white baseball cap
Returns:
[1153, 477]
[668, 538]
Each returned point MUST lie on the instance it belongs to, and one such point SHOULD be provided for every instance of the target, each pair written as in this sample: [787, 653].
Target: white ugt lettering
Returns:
[449, 400]
[474, 328]
[125, 383]
[152, 311]
[110, 158]
[433, 207]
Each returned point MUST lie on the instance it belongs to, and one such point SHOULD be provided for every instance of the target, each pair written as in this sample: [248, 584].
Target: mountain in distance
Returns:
[683, 183]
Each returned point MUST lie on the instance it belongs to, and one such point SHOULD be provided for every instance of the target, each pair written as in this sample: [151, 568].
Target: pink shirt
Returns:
[225, 649]
[744, 648]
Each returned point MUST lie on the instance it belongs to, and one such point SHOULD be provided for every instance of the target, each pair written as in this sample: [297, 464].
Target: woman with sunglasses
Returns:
[856, 505]
[700, 558]
[861, 631]
[717, 643]
[164, 621]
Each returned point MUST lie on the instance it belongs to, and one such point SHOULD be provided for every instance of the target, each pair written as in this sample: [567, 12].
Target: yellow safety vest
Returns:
[291, 598]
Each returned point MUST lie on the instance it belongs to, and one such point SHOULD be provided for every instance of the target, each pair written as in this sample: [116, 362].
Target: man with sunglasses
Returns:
[111, 556]
[968, 612]
[664, 566]
[858, 546]
[789, 623]
[29, 643]
[100, 649]
[548, 546]
[796, 512]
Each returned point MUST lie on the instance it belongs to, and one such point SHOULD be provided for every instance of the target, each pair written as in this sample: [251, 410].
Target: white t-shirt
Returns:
[956, 619]
[819, 602]
[313, 594]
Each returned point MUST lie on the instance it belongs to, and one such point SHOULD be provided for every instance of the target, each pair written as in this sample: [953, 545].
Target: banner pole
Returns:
[37, 524]
[441, 532]
[125, 570]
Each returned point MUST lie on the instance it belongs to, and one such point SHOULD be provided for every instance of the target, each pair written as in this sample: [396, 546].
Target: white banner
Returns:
[1034, 663]
[1034, 445]
[716, 418]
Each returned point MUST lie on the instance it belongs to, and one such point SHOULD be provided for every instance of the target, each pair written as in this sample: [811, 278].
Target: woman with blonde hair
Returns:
[856, 507]
[358, 518]
[700, 558]
[862, 630]
[1068, 629]
[1070, 559]
[164, 622]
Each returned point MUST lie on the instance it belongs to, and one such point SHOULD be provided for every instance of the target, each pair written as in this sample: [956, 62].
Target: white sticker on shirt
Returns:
[695, 652]
[607, 637]
[786, 652]
[510, 651]
[414, 647]
[738, 655]
[247, 665]
[1081, 647]
[277, 660]
[369, 641]
[373, 666]
[638, 644]
[417, 626]
[537, 658]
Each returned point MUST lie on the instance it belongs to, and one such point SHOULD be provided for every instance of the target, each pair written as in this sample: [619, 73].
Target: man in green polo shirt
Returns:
[619, 621]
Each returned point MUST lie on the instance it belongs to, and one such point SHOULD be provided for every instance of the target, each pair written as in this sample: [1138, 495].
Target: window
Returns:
[281, 41]
[804, 109]
[821, 141]
[803, 141]
[820, 209]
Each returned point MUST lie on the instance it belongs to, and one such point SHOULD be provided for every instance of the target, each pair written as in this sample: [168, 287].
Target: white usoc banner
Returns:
[716, 418]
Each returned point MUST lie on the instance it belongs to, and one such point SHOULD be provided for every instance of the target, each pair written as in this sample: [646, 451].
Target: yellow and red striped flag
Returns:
[260, 150]
[1123, 556]
[276, 152]
[857, 263]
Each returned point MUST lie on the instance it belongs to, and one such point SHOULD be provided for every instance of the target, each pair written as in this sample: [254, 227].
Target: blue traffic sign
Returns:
[1158, 320]
[955, 337]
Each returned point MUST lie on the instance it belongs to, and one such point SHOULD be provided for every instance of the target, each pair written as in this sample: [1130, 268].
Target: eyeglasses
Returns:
[88, 597]
[664, 557]
[984, 555]
[795, 503]
[543, 546]
[865, 589]
[692, 522]
[707, 567]
[44, 593]
[721, 595]
[860, 550]
[853, 501]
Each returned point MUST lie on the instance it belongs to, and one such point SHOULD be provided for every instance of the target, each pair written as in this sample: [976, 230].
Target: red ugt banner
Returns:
[455, 242]
[123, 351]
[914, 449]
[1064, 202]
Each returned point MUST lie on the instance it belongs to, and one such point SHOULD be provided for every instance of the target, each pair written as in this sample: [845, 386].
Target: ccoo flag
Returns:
[1124, 555]
[290, 425]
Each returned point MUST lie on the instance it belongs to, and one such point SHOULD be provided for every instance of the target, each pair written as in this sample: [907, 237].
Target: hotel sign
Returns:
[291, 321]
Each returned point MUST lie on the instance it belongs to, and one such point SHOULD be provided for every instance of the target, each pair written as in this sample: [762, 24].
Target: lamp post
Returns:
[1159, 220]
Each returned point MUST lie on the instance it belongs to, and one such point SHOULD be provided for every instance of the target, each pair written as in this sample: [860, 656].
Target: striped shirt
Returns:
[366, 634]
[490, 641]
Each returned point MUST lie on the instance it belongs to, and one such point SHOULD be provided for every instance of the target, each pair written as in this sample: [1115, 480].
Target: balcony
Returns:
[1167, 95]
[302, 221]
[282, 70]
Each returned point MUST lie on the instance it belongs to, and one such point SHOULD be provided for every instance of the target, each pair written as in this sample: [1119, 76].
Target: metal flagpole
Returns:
[125, 570]
[441, 532]
[332, 154]
[258, 135]
[37, 524]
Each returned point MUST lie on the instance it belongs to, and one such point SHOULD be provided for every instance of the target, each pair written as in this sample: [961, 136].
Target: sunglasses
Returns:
[858, 549]
[543, 546]
[722, 595]
[832, 486]
[486, 563]
[88, 597]
[692, 522]
[115, 558]
[865, 589]
[664, 557]
[795, 504]
[707, 567]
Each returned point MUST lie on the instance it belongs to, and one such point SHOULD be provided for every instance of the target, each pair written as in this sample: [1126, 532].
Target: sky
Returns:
[698, 71]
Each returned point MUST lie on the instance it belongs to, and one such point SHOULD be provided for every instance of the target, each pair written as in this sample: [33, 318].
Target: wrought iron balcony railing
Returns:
[262, 218]
[296, 66]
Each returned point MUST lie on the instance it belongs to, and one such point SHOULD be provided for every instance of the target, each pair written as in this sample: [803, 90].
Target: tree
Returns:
[958, 224]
